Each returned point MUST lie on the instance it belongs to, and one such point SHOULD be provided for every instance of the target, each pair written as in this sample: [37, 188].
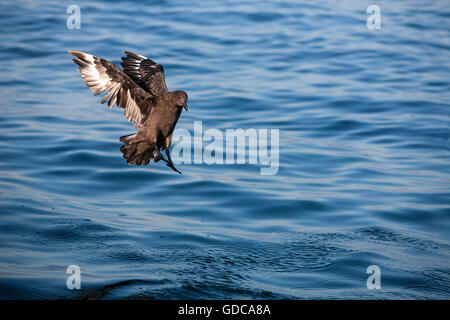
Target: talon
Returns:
[157, 156]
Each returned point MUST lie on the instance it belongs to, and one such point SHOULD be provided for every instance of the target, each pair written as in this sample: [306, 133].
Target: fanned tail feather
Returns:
[128, 137]
[138, 152]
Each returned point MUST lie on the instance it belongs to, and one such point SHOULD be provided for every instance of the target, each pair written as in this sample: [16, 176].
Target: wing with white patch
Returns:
[100, 75]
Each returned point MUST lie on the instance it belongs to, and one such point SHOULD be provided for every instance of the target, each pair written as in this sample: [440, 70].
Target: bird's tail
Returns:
[137, 151]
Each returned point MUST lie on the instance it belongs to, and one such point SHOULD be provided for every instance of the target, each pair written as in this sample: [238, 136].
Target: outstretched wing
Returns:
[145, 71]
[100, 75]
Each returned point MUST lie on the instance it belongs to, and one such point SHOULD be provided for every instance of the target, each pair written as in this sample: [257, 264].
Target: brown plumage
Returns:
[140, 89]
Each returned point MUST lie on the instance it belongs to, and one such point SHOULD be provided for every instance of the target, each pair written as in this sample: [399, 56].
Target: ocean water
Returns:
[364, 160]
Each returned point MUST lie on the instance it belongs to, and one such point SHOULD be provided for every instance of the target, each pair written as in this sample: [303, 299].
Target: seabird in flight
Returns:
[140, 89]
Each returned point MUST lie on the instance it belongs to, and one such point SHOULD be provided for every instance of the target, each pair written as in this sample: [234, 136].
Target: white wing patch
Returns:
[97, 81]
[132, 111]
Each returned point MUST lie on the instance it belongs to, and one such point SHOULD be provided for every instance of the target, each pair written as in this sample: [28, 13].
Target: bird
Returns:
[140, 89]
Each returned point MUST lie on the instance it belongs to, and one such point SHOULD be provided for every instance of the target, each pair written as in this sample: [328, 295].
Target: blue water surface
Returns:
[364, 170]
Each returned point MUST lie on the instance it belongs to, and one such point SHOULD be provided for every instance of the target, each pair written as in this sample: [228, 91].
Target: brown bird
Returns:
[141, 90]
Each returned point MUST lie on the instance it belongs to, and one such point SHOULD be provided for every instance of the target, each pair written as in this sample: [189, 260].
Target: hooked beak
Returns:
[185, 107]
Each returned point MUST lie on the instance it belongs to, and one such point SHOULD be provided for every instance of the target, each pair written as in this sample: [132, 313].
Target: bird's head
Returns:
[180, 99]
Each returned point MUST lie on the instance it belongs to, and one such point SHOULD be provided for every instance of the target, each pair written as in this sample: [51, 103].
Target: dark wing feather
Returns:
[146, 72]
[100, 75]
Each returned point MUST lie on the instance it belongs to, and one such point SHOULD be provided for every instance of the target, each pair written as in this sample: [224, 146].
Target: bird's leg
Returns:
[158, 156]
[170, 163]
[168, 155]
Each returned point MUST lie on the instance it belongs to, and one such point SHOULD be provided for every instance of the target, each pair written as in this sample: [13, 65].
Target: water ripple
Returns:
[364, 156]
